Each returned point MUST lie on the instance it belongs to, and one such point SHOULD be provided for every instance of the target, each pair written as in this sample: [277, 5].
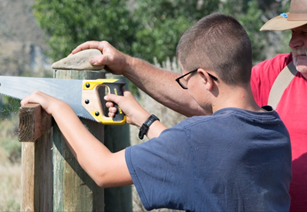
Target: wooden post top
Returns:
[33, 122]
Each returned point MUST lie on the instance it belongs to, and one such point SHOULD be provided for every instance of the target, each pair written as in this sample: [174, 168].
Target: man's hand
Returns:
[158, 83]
[115, 61]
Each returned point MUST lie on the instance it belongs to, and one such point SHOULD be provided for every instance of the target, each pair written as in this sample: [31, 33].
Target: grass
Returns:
[10, 186]
[10, 164]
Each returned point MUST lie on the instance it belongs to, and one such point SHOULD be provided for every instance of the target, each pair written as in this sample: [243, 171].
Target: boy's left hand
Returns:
[48, 103]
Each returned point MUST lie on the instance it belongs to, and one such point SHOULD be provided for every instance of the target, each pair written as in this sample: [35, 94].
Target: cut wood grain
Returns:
[33, 122]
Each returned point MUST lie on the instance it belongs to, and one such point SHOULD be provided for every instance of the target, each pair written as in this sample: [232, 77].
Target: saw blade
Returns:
[69, 91]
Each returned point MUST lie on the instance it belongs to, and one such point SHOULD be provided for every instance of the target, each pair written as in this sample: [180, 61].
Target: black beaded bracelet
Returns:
[144, 128]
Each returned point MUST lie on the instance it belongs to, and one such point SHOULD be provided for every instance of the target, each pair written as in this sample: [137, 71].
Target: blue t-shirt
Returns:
[234, 160]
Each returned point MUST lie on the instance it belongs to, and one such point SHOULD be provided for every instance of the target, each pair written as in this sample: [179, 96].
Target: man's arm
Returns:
[158, 83]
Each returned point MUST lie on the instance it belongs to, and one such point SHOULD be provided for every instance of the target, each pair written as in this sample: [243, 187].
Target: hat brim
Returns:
[280, 23]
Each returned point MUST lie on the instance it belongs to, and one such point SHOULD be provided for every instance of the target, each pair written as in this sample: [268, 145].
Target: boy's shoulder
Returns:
[233, 114]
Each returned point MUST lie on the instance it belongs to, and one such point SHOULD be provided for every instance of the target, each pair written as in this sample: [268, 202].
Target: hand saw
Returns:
[84, 96]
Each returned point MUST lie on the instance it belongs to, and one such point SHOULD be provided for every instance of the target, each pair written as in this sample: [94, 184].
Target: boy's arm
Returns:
[107, 169]
[135, 113]
[158, 83]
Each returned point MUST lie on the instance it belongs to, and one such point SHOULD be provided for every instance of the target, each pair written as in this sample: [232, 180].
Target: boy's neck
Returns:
[237, 97]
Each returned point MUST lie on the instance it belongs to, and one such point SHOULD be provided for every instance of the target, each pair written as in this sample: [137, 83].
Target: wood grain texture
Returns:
[116, 138]
[36, 179]
[27, 177]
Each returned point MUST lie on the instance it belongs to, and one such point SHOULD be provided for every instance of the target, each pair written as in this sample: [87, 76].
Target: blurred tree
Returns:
[8, 106]
[162, 22]
[144, 28]
[252, 14]
[149, 29]
[276, 41]
[69, 23]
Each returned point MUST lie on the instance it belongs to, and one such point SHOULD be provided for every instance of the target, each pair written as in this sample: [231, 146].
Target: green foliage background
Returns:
[69, 23]
[143, 28]
[161, 23]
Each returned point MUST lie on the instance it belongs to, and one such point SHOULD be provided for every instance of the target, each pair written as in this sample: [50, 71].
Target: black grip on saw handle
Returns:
[93, 99]
[117, 89]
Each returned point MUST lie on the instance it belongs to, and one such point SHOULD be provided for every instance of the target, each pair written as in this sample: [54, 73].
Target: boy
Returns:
[237, 159]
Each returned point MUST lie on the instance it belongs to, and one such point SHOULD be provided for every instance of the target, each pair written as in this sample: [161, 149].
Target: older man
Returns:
[291, 90]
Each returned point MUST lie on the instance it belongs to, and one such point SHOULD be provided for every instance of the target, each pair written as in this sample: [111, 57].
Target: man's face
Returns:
[298, 44]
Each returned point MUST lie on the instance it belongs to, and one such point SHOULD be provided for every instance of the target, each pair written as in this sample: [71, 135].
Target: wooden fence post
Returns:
[116, 138]
[73, 189]
[52, 179]
[36, 137]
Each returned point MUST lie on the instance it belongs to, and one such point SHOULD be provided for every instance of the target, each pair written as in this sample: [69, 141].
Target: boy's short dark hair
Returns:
[220, 43]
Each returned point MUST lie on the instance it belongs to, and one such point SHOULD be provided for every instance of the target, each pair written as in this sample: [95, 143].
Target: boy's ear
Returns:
[206, 79]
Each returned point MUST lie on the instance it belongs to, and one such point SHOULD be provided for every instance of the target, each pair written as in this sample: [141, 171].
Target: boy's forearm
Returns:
[105, 168]
[161, 85]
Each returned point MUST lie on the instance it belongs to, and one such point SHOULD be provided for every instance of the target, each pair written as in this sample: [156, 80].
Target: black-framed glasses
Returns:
[183, 83]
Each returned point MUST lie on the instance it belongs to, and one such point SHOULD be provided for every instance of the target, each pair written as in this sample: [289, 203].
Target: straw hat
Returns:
[296, 17]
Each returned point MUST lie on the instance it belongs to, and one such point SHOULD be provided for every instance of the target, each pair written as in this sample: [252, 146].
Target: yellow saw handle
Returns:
[92, 98]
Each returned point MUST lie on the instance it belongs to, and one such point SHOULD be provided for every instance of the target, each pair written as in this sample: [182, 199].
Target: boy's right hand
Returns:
[135, 113]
